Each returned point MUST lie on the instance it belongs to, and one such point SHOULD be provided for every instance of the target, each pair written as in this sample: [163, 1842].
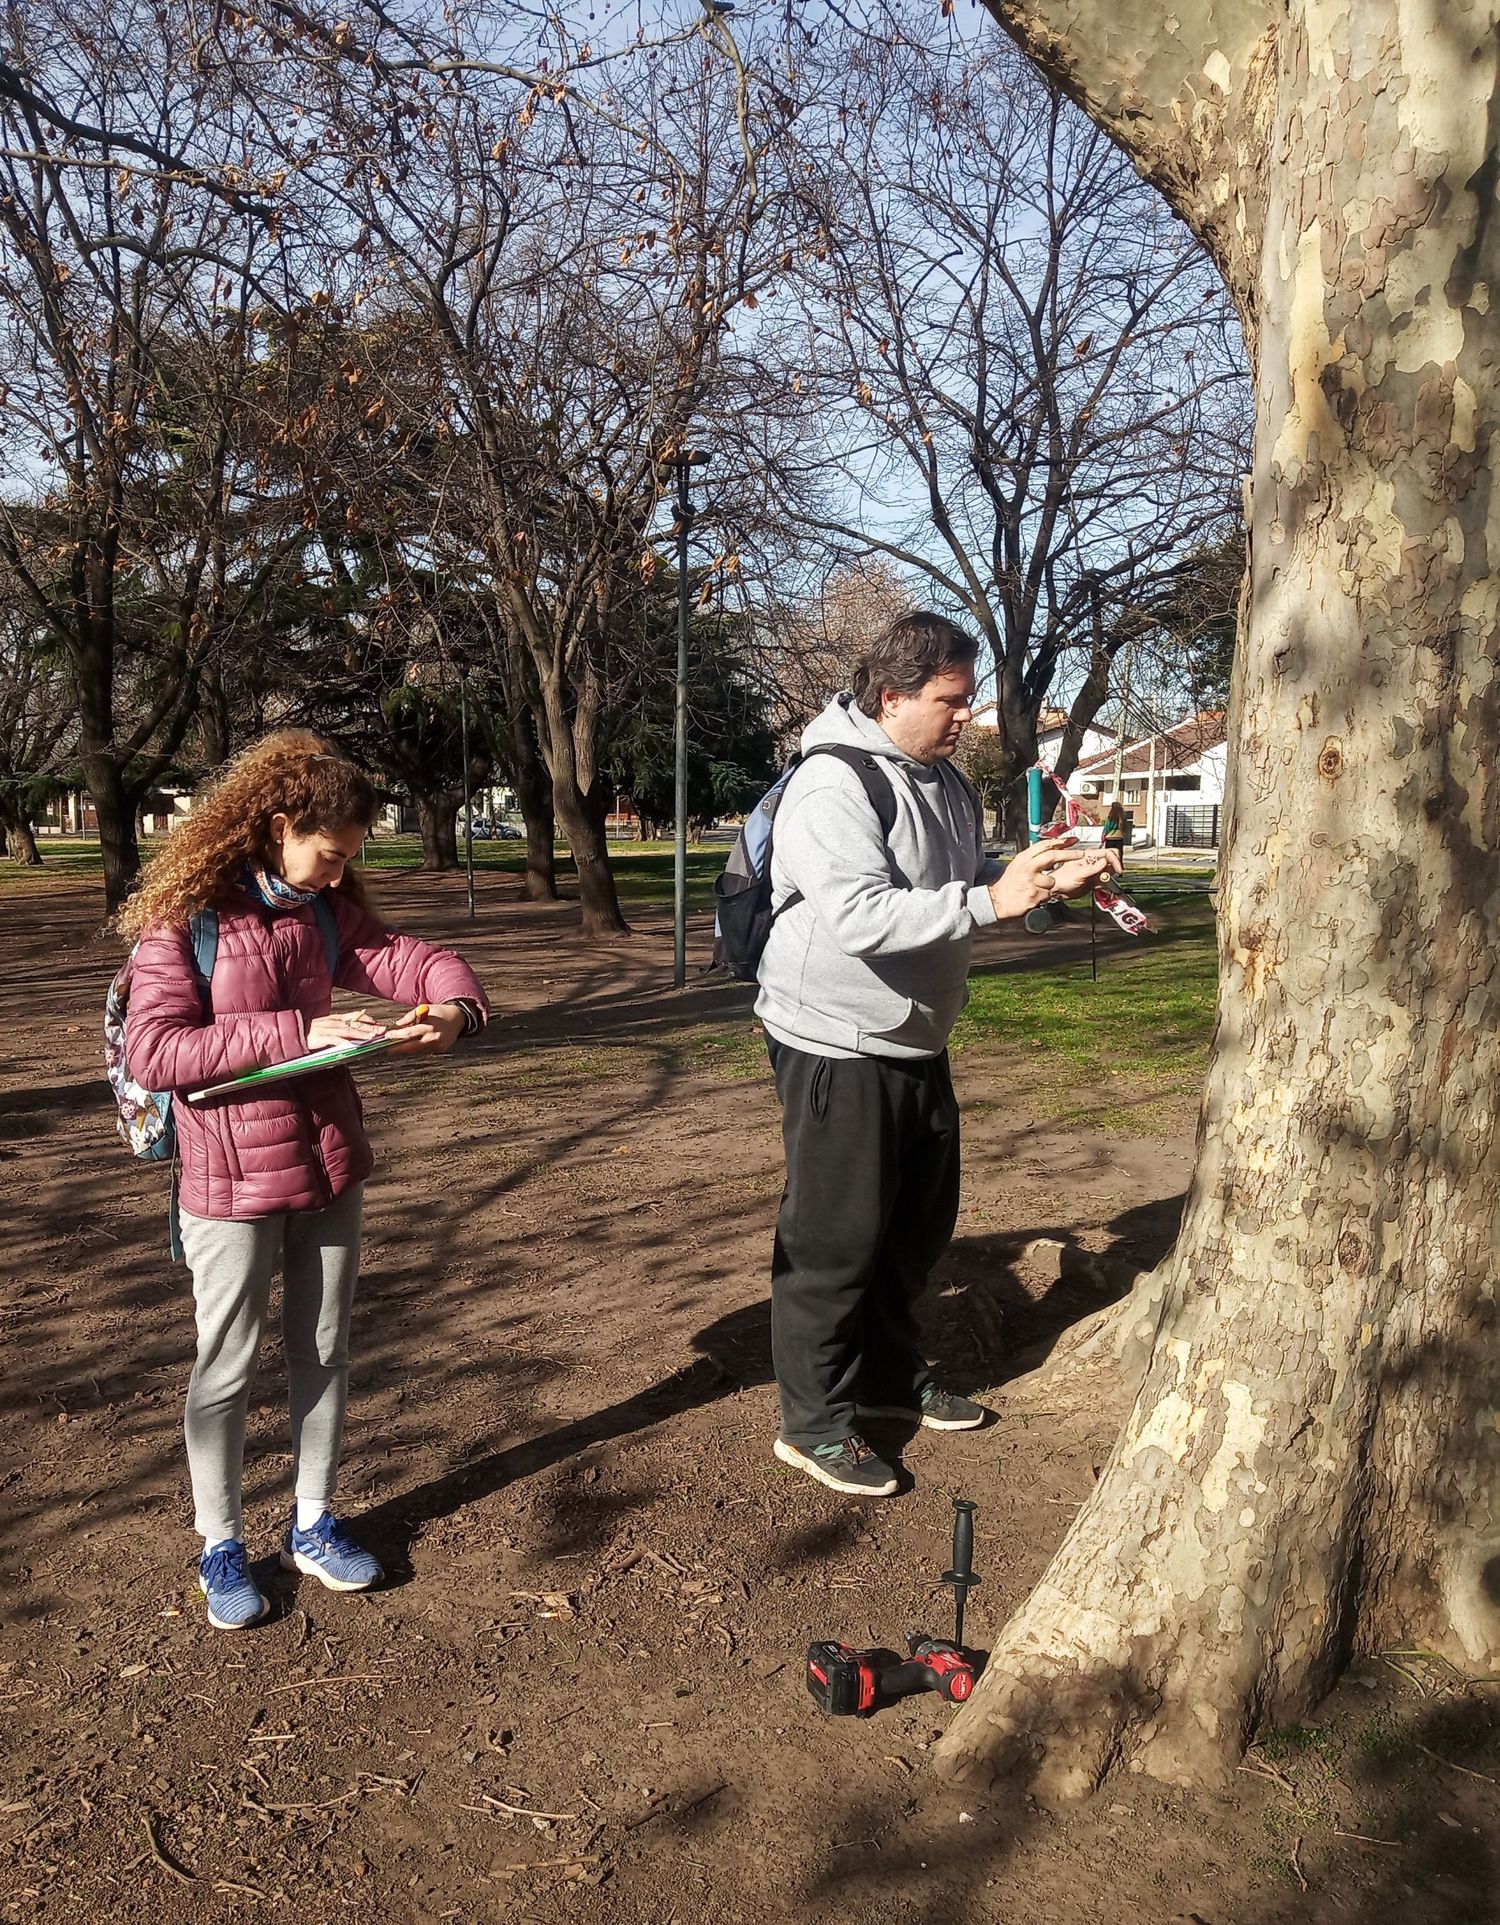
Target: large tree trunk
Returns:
[1310, 1467]
[569, 740]
[437, 823]
[20, 839]
[114, 806]
[533, 788]
[583, 819]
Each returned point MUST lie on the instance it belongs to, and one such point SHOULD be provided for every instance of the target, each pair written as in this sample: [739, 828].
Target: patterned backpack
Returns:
[145, 1121]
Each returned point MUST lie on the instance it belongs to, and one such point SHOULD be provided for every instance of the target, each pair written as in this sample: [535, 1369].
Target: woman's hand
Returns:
[435, 1028]
[324, 1031]
[1049, 871]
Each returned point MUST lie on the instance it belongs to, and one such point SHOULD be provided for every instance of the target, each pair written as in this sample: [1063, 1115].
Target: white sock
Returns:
[309, 1510]
[236, 1536]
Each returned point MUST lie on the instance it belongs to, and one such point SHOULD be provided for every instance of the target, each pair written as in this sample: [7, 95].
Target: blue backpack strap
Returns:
[204, 930]
[328, 929]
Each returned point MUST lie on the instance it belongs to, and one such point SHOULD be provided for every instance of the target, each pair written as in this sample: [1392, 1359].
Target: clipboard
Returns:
[334, 1057]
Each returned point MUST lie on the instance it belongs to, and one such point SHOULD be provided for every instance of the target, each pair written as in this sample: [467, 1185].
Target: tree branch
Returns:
[1182, 90]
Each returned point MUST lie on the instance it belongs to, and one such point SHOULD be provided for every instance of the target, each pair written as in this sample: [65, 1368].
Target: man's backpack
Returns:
[145, 1121]
[742, 892]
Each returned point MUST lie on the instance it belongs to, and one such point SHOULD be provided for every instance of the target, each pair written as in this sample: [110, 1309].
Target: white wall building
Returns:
[1172, 783]
[1050, 727]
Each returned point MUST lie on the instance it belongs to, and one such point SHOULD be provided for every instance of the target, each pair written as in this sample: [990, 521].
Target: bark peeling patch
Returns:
[1244, 1433]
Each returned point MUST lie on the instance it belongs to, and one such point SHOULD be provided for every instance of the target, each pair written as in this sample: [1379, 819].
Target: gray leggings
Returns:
[232, 1266]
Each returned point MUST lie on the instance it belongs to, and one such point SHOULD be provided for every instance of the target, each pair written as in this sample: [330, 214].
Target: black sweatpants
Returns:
[870, 1203]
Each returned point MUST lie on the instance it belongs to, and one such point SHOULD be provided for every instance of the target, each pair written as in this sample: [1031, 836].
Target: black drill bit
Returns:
[961, 1577]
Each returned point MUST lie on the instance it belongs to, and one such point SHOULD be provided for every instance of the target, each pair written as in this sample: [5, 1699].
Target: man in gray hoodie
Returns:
[862, 978]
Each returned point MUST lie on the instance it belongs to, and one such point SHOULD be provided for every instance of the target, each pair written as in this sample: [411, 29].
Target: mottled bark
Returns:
[114, 809]
[583, 817]
[568, 733]
[1310, 1466]
[20, 839]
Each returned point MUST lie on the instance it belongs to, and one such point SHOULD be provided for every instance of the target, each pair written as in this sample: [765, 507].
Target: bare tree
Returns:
[126, 347]
[579, 264]
[805, 648]
[37, 721]
[1037, 373]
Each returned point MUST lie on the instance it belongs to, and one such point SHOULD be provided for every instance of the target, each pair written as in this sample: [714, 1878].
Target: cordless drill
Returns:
[848, 1683]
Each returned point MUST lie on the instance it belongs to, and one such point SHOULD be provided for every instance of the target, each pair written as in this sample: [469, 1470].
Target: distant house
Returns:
[1050, 727]
[1172, 783]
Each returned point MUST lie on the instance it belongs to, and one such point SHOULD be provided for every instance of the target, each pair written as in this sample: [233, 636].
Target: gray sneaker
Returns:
[849, 1466]
[938, 1410]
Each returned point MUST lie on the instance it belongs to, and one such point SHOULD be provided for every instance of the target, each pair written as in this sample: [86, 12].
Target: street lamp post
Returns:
[682, 465]
[463, 729]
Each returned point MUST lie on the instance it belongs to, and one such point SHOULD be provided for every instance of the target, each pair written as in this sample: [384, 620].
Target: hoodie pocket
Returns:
[900, 1019]
[818, 1088]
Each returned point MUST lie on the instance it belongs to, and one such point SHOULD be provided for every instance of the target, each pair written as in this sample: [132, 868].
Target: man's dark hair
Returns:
[907, 655]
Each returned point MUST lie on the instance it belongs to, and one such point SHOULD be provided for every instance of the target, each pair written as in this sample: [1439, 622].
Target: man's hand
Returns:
[437, 1028]
[1049, 871]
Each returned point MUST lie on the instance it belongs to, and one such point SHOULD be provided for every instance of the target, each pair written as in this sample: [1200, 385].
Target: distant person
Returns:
[275, 1175]
[1114, 832]
[862, 978]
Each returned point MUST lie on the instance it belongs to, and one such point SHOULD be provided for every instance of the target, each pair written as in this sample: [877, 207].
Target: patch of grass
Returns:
[1297, 1742]
[1150, 1015]
[64, 859]
[737, 1055]
[1387, 1736]
[643, 870]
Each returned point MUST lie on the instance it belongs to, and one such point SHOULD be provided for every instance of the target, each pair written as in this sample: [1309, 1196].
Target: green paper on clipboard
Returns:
[334, 1057]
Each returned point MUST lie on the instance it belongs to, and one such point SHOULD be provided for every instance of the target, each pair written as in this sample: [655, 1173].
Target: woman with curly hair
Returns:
[274, 1174]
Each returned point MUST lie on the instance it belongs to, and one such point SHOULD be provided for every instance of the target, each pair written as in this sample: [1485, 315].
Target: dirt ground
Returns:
[580, 1697]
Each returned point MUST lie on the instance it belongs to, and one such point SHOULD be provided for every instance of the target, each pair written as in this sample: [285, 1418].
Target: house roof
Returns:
[1176, 748]
[986, 716]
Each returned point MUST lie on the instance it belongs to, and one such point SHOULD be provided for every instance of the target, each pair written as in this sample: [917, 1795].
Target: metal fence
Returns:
[1196, 828]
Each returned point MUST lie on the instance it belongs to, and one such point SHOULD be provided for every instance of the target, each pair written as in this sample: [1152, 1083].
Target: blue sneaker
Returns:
[234, 1602]
[328, 1553]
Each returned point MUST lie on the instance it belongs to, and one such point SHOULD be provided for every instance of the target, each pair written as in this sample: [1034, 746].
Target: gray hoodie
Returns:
[874, 960]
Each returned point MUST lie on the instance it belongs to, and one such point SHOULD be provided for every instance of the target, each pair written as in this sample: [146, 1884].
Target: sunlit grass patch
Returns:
[1140, 1033]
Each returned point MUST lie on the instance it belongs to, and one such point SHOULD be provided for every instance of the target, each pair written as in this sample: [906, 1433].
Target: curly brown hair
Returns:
[290, 772]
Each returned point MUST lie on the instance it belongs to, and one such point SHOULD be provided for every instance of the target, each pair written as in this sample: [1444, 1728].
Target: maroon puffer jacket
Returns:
[302, 1142]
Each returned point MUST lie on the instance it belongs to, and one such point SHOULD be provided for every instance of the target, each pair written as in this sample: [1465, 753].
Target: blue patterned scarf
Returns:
[273, 890]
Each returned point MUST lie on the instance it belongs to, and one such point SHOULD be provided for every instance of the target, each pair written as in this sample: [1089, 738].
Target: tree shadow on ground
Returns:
[986, 1326]
[1392, 1819]
[734, 1354]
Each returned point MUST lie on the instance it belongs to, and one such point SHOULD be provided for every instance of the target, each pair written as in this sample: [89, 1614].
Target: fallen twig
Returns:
[1483, 1777]
[1261, 1767]
[314, 1684]
[1359, 1838]
[552, 1864]
[1296, 1864]
[164, 1859]
[525, 1811]
[653, 1810]
[325, 1804]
